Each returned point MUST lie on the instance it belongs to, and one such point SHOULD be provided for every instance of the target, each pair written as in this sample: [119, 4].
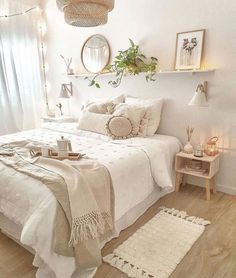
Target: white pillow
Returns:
[93, 122]
[136, 114]
[154, 107]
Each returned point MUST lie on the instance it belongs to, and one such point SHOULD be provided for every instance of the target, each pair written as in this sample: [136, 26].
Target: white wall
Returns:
[153, 24]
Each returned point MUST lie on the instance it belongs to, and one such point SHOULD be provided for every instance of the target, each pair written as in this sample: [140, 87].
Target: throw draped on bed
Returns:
[83, 213]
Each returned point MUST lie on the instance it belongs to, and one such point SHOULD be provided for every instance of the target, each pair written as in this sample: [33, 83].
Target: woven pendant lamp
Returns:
[85, 13]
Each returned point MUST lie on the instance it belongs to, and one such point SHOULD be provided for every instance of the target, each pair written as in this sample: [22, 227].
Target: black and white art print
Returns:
[189, 47]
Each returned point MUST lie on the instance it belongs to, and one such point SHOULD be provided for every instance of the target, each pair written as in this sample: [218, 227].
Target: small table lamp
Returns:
[200, 96]
[66, 92]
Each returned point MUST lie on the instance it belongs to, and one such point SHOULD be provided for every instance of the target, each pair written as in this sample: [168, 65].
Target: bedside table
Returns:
[59, 119]
[209, 166]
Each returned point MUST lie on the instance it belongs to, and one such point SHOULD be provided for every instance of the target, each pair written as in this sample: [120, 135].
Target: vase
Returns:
[69, 71]
[188, 148]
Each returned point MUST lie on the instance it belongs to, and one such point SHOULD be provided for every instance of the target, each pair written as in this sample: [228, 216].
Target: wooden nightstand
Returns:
[59, 119]
[209, 167]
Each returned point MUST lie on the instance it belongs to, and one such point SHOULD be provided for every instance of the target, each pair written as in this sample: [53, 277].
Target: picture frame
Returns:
[189, 49]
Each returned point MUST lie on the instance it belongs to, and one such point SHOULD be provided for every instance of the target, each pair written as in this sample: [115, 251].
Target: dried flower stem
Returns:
[67, 62]
[189, 132]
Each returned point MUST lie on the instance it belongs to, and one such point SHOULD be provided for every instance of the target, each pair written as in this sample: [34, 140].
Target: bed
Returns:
[141, 171]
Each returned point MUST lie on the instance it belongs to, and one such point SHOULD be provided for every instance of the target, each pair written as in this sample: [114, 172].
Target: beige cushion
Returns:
[136, 114]
[154, 108]
[103, 105]
[119, 127]
[93, 122]
[101, 108]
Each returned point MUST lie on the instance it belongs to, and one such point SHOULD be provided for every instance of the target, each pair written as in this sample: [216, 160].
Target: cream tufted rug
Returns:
[158, 247]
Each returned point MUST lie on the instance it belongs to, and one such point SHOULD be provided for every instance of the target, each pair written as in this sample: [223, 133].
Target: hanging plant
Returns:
[130, 61]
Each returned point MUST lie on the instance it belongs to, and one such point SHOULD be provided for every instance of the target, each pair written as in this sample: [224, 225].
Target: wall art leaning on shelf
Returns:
[189, 48]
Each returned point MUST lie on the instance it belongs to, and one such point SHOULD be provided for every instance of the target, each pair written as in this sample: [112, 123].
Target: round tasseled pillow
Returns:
[119, 127]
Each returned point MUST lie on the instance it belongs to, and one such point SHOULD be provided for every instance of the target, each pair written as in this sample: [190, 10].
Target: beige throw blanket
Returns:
[83, 192]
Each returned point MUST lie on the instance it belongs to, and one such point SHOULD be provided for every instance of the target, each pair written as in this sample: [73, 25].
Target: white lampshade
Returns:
[65, 91]
[198, 99]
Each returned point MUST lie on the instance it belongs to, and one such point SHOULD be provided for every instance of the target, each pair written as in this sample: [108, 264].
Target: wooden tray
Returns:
[71, 156]
[54, 155]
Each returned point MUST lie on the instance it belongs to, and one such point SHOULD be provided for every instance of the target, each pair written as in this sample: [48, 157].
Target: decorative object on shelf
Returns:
[130, 61]
[188, 148]
[193, 164]
[198, 150]
[85, 13]
[200, 96]
[59, 105]
[66, 90]
[189, 48]
[211, 148]
[95, 54]
[68, 62]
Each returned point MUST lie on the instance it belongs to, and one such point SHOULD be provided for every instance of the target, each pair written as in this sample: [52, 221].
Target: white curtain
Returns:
[21, 90]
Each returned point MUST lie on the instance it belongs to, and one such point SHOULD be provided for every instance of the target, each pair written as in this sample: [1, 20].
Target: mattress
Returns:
[138, 167]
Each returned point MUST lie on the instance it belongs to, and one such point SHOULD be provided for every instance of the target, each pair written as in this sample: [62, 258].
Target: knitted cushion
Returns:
[119, 127]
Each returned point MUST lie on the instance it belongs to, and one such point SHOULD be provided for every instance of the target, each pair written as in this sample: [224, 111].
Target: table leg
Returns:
[178, 180]
[208, 189]
[213, 184]
[184, 180]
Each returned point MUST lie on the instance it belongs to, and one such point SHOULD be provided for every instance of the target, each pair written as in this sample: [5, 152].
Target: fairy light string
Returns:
[18, 14]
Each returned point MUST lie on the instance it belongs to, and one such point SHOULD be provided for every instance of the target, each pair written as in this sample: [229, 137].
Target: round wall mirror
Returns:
[95, 54]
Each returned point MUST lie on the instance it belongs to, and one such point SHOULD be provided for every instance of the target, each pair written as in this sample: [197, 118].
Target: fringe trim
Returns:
[89, 226]
[185, 216]
[127, 268]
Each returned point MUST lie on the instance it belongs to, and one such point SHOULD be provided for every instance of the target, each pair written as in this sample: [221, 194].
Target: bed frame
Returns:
[13, 231]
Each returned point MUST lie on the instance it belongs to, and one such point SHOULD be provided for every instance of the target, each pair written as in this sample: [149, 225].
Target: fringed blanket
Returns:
[84, 200]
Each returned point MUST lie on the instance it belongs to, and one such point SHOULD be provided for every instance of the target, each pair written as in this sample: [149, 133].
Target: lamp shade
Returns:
[85, 13]
[198, 99]
[65, 92]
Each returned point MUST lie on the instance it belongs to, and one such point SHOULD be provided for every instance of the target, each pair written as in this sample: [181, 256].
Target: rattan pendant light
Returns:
[85, 13]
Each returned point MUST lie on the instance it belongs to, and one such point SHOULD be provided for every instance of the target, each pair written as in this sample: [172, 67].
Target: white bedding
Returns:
[136, 166]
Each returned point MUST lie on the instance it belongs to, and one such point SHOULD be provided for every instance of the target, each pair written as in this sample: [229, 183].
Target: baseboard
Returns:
[226, 189]
[219, 187]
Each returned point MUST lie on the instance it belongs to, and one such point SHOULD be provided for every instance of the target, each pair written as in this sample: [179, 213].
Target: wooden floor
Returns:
[212, 256]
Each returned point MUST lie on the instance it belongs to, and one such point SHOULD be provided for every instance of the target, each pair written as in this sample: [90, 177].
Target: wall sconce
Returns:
[66, 90]
[200, 96]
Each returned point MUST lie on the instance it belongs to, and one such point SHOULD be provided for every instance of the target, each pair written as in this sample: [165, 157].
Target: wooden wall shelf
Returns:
[192, 72]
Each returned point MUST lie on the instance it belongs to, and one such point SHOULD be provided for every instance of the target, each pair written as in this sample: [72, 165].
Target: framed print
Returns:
[189, 48]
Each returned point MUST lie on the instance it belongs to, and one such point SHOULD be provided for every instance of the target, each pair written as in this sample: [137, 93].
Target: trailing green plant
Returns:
[93, 82]
[130, 61]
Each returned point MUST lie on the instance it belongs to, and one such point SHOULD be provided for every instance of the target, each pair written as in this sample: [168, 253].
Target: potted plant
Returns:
[130, 61]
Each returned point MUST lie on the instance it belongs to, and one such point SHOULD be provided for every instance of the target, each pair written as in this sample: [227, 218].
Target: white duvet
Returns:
[136, 166]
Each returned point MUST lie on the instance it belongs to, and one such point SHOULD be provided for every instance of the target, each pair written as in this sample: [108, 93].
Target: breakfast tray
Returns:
[54, 155]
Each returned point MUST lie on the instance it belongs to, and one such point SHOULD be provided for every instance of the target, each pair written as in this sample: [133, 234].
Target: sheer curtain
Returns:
[21, 93]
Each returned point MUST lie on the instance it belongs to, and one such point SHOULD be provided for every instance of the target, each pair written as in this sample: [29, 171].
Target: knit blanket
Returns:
[84, 200]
